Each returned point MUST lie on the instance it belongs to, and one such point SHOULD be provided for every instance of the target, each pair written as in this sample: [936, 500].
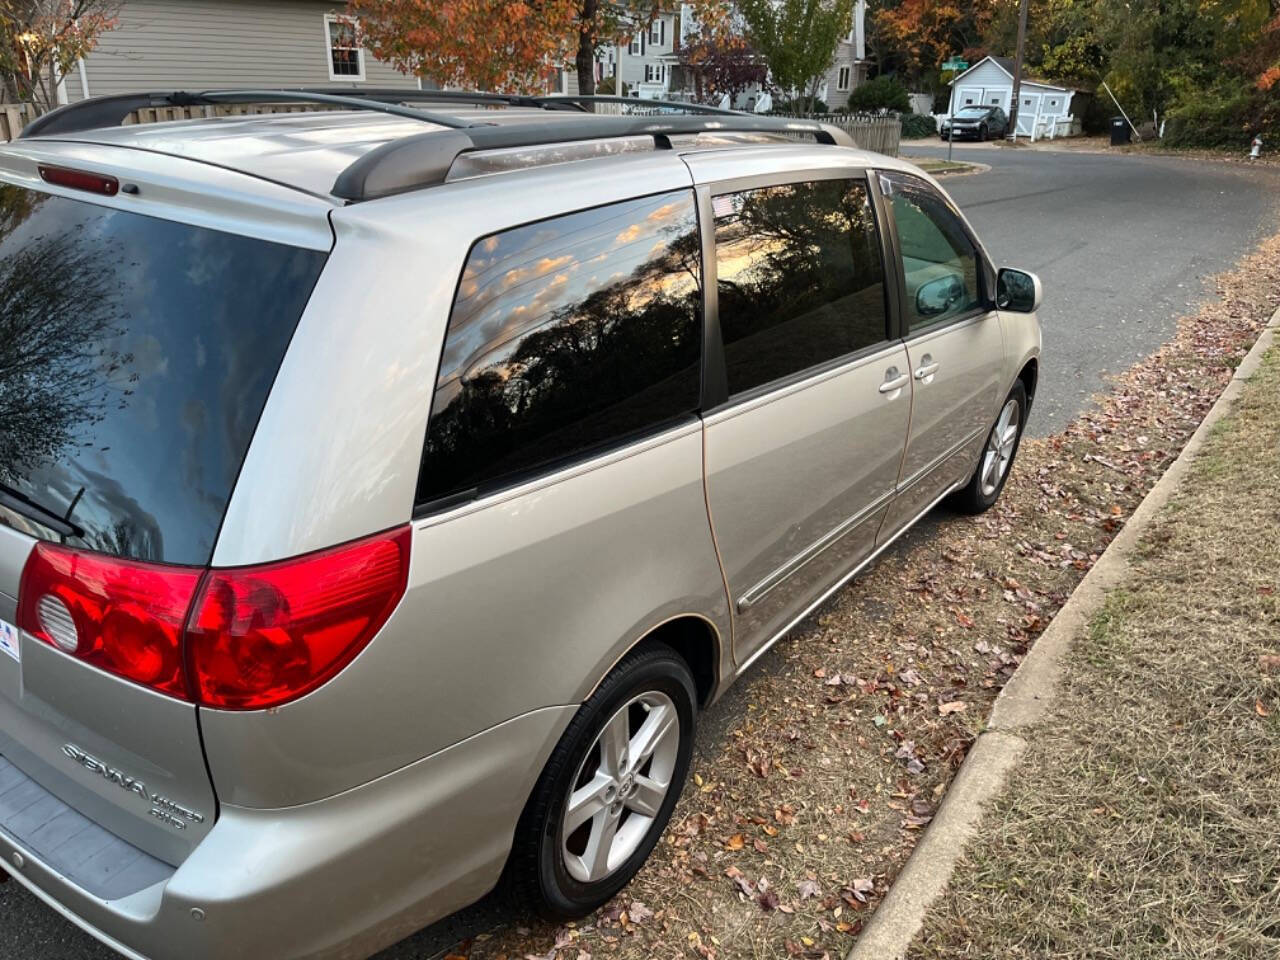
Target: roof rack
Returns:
[575, 100]
[423, 160]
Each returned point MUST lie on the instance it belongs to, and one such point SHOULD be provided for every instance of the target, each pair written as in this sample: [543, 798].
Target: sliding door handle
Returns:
[928, 367]
[895, 382]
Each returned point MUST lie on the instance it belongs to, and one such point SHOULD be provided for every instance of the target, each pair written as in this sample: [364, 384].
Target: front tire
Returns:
[998, 453]
[982, 133]
[608, 790]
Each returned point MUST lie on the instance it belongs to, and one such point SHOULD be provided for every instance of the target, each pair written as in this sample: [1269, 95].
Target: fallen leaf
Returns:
[639, 912]
[735, 842]
[955, 706]
[768, 900]
[808, 888]
[1260, 710]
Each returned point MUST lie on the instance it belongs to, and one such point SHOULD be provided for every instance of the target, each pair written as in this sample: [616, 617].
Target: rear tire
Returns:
[602, 801]
[998, 453]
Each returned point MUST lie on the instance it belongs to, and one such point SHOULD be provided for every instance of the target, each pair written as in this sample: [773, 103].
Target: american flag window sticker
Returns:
[9, 640]
[726, 205]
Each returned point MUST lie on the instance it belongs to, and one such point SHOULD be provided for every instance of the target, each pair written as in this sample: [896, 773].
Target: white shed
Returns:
[1045, 109]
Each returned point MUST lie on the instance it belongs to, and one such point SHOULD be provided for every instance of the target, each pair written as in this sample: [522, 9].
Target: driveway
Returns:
[1122, 244]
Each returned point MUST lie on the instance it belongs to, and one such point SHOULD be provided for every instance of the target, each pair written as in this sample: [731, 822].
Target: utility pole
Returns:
[1017, 69]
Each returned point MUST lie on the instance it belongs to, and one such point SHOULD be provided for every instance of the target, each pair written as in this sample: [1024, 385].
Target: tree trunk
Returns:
[586, 56]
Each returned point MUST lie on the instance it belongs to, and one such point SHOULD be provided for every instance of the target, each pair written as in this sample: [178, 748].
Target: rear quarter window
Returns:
[566, 337]
[135, 358]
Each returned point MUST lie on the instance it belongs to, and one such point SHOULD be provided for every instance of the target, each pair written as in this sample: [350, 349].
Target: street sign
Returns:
[955, 63]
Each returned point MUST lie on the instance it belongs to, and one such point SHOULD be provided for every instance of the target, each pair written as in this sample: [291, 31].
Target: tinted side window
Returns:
[800, 279]
[939, 261]
[566, 335]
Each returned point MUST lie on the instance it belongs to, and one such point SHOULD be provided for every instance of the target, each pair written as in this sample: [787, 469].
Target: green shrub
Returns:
[1098, 111]
[606, 86]
[882, 93]
[916, 126]
[801, 105]
[1227, 117]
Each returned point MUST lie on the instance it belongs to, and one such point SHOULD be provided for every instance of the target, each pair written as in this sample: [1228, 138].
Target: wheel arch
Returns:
[695, 638]
[1030, 376]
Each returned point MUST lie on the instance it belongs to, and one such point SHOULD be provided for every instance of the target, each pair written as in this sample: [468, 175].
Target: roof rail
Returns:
[110, 111]
[423, 160]
[694, 108]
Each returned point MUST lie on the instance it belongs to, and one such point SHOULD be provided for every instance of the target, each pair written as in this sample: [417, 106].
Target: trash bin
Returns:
[1120, 132]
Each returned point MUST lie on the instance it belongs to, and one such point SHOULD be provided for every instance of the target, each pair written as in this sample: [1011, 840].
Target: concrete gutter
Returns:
[1025, 700]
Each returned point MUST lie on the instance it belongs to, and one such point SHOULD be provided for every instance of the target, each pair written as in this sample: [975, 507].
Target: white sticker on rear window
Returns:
[9, 640]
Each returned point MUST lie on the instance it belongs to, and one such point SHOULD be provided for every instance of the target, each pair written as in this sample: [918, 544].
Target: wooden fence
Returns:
[881, 134]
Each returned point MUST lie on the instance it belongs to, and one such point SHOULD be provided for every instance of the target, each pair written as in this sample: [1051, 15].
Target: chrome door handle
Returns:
[926, 370]
[895, 383]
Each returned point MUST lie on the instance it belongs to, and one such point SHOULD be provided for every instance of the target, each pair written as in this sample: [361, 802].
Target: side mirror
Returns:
[1018, 291]
[938, 296]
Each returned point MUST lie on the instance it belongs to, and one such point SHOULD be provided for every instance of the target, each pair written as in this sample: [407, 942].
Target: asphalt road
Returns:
[1123, 245]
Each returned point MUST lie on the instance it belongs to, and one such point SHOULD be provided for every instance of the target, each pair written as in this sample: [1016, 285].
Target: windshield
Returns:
[973, 111]
[135, 358]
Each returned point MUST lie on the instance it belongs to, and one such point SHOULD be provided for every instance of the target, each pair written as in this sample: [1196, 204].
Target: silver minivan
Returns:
[384, 490]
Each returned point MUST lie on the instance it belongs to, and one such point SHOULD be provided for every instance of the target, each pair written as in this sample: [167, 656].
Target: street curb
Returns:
[1023, 701]
[975, 168]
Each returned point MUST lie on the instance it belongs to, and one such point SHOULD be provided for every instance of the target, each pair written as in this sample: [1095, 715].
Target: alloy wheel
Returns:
[999, 451]
[620, 787]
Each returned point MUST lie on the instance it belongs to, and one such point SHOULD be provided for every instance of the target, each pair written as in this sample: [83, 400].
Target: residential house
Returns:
[849, 66]
[202, 44]
[649, 66]
[1044, 108]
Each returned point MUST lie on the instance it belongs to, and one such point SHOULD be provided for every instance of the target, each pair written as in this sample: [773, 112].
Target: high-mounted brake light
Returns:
[80, 180]
[254, 637]
[123, 616]
[262, 636]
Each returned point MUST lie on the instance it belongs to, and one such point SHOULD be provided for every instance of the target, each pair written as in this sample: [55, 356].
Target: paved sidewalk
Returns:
[1135, 813]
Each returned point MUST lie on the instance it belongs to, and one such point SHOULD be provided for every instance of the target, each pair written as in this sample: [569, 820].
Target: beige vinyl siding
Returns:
[199, 44]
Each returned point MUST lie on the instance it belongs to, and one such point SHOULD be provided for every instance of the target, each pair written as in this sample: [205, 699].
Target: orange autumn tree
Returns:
[41, 40]
[921, 34]
[507, 45]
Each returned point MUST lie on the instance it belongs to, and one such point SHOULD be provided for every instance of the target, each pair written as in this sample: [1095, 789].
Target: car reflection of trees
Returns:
[800, 275]
[621, 359]
[61, 316]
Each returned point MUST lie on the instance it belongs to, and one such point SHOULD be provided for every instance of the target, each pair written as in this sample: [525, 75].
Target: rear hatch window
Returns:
[135, 358]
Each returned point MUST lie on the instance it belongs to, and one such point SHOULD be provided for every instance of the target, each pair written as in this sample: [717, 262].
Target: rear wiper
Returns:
[19, 502]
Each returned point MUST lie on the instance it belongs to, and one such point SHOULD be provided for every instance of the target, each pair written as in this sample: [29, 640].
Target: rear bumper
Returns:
[343, 876]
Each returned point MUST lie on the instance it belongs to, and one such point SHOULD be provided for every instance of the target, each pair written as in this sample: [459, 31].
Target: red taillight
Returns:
[255, 637]
[123, 616]
[261, 636]
[80, 180]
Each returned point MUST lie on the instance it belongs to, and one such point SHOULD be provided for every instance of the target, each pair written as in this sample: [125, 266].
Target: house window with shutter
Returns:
[346, 58]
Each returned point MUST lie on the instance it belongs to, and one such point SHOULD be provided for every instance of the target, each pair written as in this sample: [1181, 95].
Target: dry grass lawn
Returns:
[1144, 819]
